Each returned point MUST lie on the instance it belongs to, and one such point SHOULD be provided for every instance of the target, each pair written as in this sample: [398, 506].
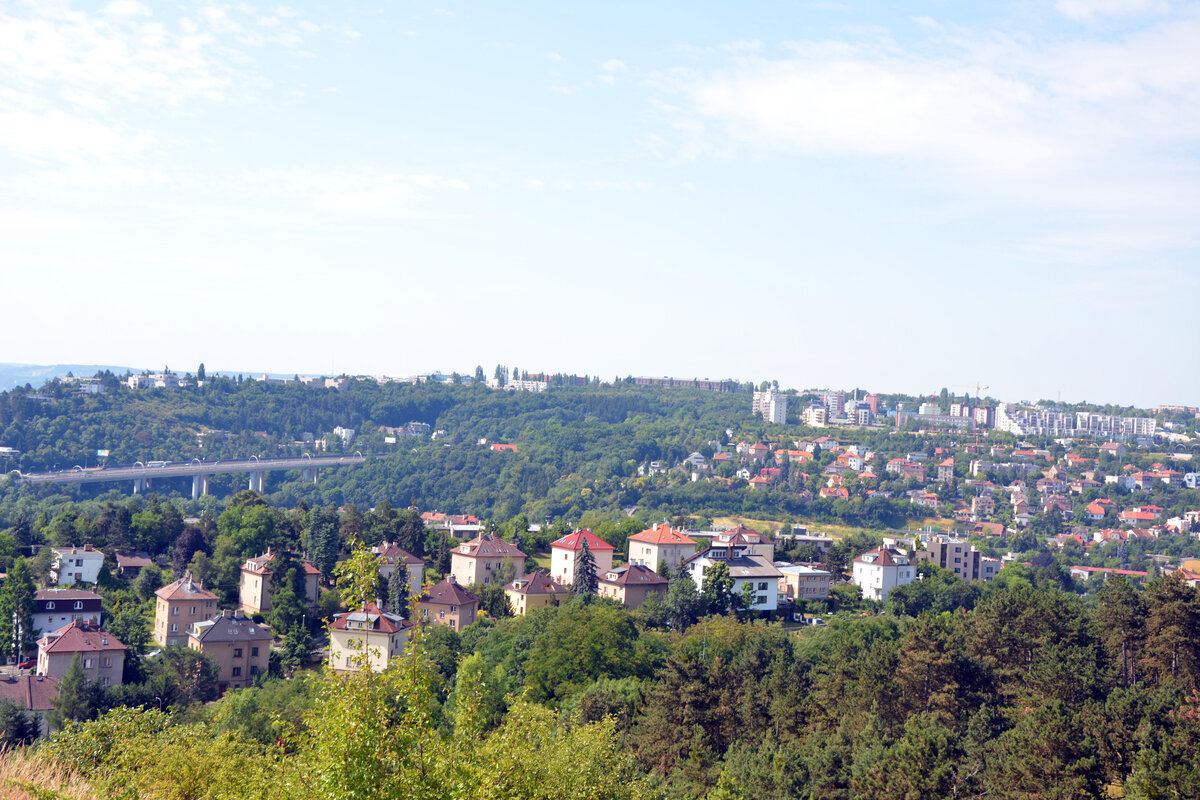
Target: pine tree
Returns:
[76, 699]
[17, 604]
[586, 582]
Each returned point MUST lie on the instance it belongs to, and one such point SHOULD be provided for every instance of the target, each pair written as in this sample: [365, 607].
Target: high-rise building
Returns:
[771, 405]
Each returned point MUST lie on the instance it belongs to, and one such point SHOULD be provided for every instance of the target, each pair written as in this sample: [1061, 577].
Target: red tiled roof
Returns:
[185, 589]
[575, 540]
[33, 692]
[661, 534]
[80, 637]
[379, 620]
[449, 593]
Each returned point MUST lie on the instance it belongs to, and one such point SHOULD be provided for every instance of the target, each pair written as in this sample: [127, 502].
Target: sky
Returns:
[893, 196]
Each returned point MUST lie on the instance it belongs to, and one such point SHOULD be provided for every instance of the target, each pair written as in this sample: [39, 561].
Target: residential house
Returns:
[565, 551]
[983, 506]
[255, 589]
[535, 590]
[799, 582]
[946, 470]
[479, 561]
[54, 608]
[130, 564]
[74, 565]
[658, 545]
[905, 468]
[368, 636]
[447, 603]
[34, 693]
[880, 570]
[178, 606]
[632, 585]
[745, 566]
[101, 654]
[392, 557]
[238, 645]
[746, 542]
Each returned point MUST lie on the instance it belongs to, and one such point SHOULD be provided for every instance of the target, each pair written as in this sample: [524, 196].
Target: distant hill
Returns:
[36, 374]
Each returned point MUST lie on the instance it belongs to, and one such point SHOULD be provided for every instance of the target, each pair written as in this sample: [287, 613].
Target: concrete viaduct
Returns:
[199, 471]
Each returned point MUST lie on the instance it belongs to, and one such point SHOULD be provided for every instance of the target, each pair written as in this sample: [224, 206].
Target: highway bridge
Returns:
[200, 471]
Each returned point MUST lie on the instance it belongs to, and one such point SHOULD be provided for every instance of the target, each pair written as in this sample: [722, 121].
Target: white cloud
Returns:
[555, 57]
[75, 74]
[1091, 9]
[614, 65]
[1090, 126]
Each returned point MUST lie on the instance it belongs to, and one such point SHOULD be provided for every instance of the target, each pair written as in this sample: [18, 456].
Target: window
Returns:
[193, 611]
[106, 661]
[175, 611]
[237, 652]
[254, 670]
[253, 654]
[762, 598]
[50, 606]
[78, 603]
[87, 663]
[441, 615]
[174, 627]
[236, 672]
[762, 586]
[208, 604]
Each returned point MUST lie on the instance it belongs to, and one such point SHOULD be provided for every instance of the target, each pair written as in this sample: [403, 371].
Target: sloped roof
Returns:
[489, 545]
[80, 637]
[449, 593]
[395, 554]
[33, 692]
[185, 589]
[230, 628]
[575, 540]
[376, 620]
[883, 557]
[662, 534]
[633, 575]
[260, 564]
[65, 594]
[131, 560]
[538, 582]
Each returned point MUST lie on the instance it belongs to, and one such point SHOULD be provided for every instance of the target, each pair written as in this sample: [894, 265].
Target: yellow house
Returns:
[375, 634]
[535, 590]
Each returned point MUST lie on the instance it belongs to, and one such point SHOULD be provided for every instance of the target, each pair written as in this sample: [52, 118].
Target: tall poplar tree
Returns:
[16, 611]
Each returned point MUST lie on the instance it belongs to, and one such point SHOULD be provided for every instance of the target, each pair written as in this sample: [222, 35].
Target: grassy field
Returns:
[836, 531]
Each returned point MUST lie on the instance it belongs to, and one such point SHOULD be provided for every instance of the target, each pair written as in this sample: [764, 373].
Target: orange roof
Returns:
[661, 534]
[574, 541]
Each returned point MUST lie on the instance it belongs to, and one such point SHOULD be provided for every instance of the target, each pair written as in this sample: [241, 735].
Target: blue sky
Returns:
[897, 196]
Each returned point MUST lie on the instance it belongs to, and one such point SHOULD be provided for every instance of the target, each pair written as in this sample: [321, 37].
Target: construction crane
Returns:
[978, 387]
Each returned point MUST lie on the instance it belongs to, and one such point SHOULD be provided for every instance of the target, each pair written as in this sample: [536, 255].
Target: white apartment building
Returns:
[74, 565]
[880, 570]
[771, 405]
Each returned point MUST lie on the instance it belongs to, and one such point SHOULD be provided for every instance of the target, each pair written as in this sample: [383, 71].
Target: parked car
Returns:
[28, 663]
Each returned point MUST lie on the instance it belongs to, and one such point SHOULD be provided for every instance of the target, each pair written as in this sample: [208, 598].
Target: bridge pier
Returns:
[256, 481]
[310, 473]
[199, 485]
[140, 485]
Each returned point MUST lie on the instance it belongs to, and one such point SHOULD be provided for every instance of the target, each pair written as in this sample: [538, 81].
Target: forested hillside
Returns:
[1029, 693]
